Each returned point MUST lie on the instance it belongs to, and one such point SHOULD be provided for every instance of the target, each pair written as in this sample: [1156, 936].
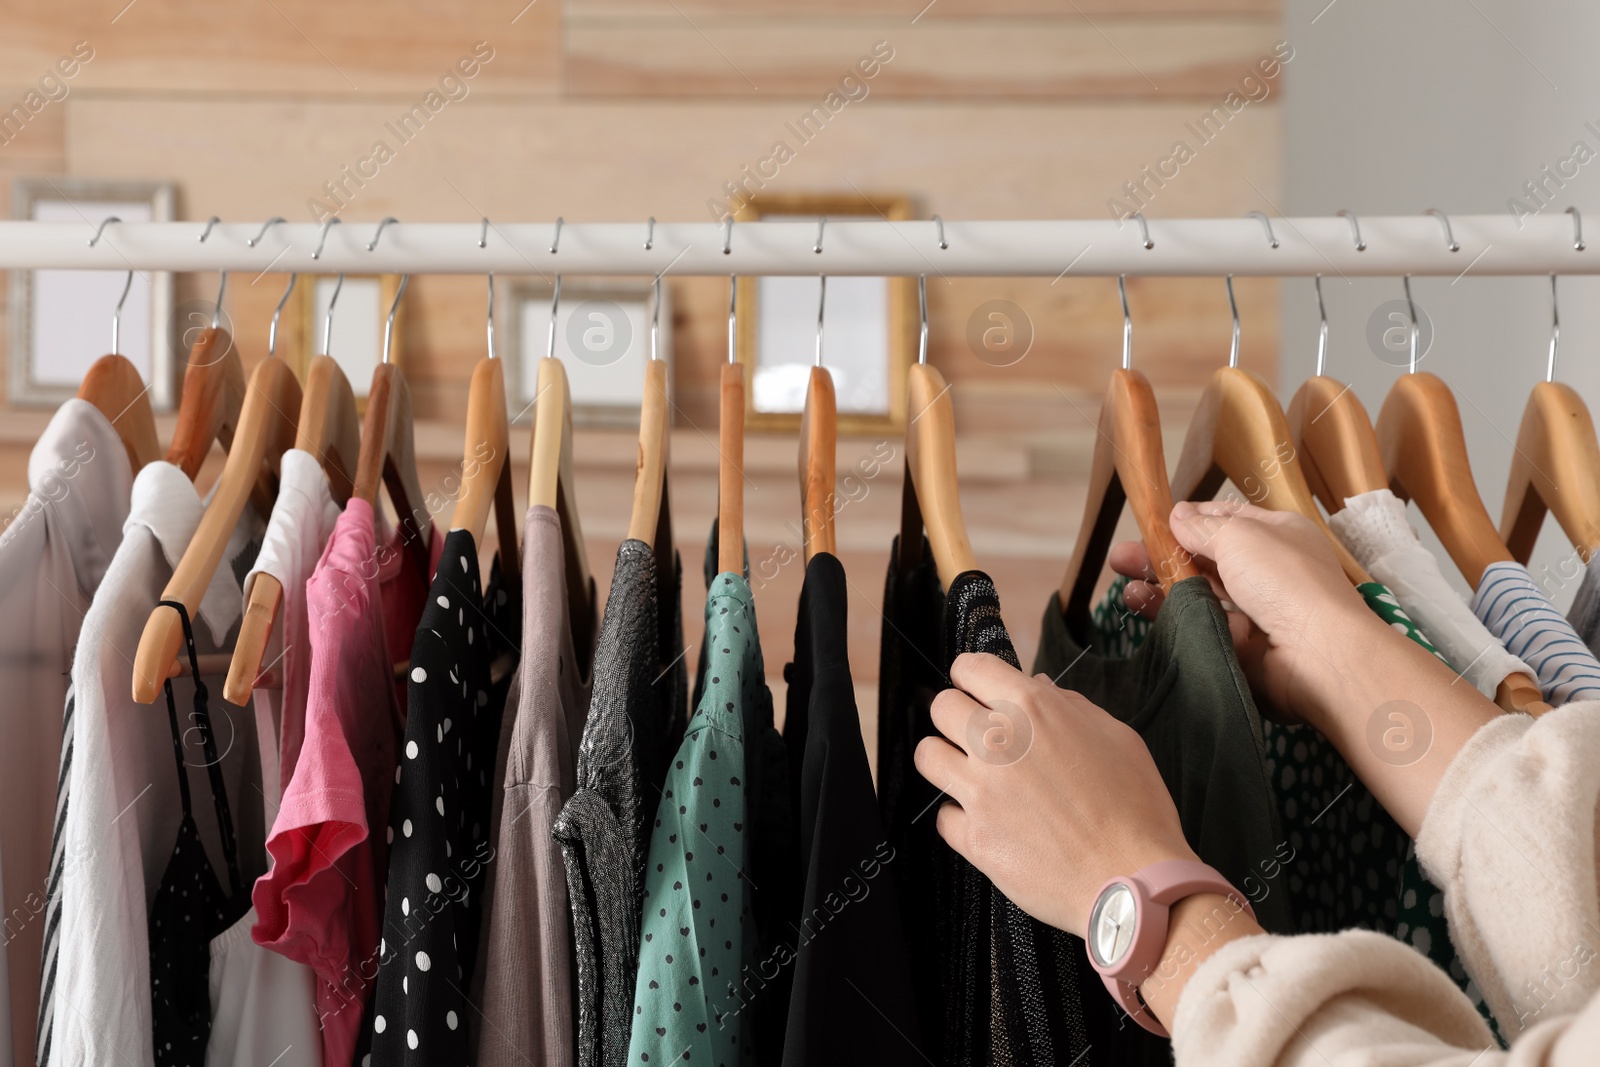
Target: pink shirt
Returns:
[322, 902]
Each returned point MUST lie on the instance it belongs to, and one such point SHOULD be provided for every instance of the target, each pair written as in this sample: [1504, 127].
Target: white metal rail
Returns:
[1420, 244]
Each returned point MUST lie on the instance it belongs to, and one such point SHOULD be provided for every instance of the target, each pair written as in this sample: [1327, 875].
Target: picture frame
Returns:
[359, 317]
[61, 319]
[602, 339]
[869, 334]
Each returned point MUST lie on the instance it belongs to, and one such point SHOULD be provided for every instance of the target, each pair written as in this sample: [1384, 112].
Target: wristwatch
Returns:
[1128, 926]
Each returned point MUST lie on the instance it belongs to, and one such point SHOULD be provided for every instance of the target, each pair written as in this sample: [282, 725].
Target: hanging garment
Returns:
[690, 996]
[851, 999]
[465, 651]
[122, 813]
[527, 957]
[772, 846]
[1584, 615]
[190, 906]
[1182, 689]
[1517, 611]
[54, 551]
[1114, 629]
[909, 677]
[322, 902]
[300, 525]
[638, 689]
[1373, 527]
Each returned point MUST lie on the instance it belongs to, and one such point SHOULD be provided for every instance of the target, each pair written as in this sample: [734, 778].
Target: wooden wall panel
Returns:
[1055, 58]
[919, 11]
[293, 48]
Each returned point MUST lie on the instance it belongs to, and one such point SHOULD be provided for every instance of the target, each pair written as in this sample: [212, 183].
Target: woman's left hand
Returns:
[1050, 796]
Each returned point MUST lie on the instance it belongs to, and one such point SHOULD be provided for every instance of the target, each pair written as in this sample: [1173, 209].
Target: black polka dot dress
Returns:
[439, 813]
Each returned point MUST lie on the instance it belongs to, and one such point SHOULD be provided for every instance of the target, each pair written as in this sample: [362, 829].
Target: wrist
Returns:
[1336, 645]
[1198, 928]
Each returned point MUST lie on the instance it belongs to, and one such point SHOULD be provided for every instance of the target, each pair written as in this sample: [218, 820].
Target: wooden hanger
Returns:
[1556, 465]
[552, 483]
[329, 429]
[113, 385]
[819, 441]
[485, 470]
[931, 500]
[266, 429]
[730, 445]
[1333, 434]
[1239, 432]
[1129, 467]
[213, 393]
[388, 450]
[651, 520]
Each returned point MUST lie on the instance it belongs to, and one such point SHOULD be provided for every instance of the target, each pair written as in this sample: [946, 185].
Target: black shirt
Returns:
[461, 665]
[851, 999]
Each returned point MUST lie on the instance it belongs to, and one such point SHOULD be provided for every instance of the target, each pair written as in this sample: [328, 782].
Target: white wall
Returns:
[1392, 108]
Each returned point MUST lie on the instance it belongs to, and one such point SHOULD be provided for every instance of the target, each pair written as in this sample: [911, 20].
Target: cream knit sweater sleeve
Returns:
[1511, 837]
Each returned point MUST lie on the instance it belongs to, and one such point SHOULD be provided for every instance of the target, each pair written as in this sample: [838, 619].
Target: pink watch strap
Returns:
[1156, 888]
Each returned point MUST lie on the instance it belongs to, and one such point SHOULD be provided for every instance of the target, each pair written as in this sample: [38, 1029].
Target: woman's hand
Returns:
[1050, 796]
[1279, 580]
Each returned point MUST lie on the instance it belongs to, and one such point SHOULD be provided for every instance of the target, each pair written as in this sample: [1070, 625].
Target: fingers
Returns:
[989, 678]
[953, 824]
[942, 764]
[1144, 599]
[1131, 560]
[951, 711]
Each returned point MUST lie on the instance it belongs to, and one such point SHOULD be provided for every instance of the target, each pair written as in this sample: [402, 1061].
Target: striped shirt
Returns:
[1517, 611]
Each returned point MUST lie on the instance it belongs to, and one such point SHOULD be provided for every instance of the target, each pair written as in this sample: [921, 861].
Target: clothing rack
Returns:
[1423, 244]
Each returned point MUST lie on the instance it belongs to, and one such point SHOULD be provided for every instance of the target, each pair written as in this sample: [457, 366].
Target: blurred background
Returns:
[618, 110]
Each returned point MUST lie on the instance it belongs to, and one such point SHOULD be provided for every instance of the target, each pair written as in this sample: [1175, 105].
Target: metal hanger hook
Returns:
[555, 238]
[101, 229]
[1555, 332]
[327, 323]
[1450, 241]
[650, 236]
[1233, 308]
[1267, 223]
[1577, 229]
[1144, 230]
[1127, 323]
[727, 236]
[212, 221]
[378, 234]
[555, 305]
[655, 321]
[733, 310]
[1322, 330]
[822, 302]
[922, 303]
[323, 239]
[265, 226]
[483, 234]
[272, 333]
[822, 224]
[1355, 227]
[491, 315]
[1411, 310]
[388, 324]
[216, 312]
[116, 316]
[943, 244]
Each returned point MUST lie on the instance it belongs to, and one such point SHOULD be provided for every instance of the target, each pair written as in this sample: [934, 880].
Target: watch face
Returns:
[1111, 925]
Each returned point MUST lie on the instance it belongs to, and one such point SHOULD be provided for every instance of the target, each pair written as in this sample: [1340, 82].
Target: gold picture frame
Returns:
[358, 322]
[900, 312]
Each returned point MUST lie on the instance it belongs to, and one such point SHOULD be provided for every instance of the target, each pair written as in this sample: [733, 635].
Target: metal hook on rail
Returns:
[1266, 222]
[1450, 241]
[322, 240]
[265, 226]
[1355, 227]
[373, 244]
